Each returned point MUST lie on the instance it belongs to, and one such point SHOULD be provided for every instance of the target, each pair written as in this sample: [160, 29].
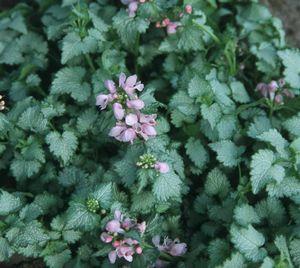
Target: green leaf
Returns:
[211, 113]
[295, 251]
[5, 250]
[263, 170]
[249, 242]
[32, 119]
[62, 146]
[276, 140]
[78, 217]
[199, 87]
[281, 244]
[73, 46]
[227, 152]
[197, 152]
[236, 260]
[291, 61]
[69, 80]
[239, 92]
[58, 260]
[245, 215]
[103, 193]
[260, 125]
[9, 203]
[216, 183]
[167, 186]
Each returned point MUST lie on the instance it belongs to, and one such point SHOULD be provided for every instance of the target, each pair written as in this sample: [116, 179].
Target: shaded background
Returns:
[289, 12]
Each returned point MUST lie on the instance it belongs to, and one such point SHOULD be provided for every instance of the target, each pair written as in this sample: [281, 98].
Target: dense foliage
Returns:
[204, 150]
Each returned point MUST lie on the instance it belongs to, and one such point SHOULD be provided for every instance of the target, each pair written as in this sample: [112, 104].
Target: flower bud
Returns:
[119, 112]
[188, 9]
[139, 250]
[113, 226]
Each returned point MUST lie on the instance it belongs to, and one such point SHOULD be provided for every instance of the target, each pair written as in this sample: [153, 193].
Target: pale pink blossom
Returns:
[288, 93]
[162, 167]
[272, 86]
[278, 99]
[130, 84]
[172, 247]
[131, 119]
[112, 256]
[148, 119]
[188, 9]
[172, 27]
[117, 130]
[106, 238]
[135, 104]
[102, 101]
[139, 250]
[141, 227]
[149, 130]
[118, 110]
[165, 22]
[114, 226]
[128, 135]
[110, 85]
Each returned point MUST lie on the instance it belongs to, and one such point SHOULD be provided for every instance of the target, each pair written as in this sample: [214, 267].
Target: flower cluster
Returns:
[92, 205]
[2, 103]
[131, 123]
[173, 25]
[275, 91]
[170, 25]
[147, 161]
[172, 247]
[123, 247]
[132, 6]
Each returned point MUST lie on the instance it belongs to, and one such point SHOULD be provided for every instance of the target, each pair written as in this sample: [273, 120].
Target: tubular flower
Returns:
[131, 122]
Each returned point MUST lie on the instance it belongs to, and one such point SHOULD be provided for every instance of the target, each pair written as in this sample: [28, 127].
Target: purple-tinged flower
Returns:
[114, 226]
[132, 8]
[135, 104]
[148, 130]
[141, 227]
[278, 99]
[102, 101]
[263, 89]
[117, 130]
[118, 215]
[110, 85]
[148, 119]
[131, 119]
[172, 27]
[188, 9]
[178, 249]
[106, 238]
[130, 84]
[112, 256]
[272, 86]
[119, 112]
[127, 224]
[128, 135]
[139, 250]
[288, 93]
[281, 82]
[162, 167]
[174, 248]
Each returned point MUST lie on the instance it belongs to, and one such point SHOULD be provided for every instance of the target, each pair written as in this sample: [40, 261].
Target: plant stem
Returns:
[90, 62]
[210, 33]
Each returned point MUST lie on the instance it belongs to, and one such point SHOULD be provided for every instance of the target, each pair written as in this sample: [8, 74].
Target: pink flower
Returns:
[110, 85]
[131, 119]
[119, 112]
[113, 226]
[158, 25]
[165, 22]
[169, 246]
[263, 89]
[162, 167]
[112, 256]
[178, 249]
[130, 84]
[139, 250]
[132, 8]
[141, 227]
[278, 99]
[281, 82]
[135, 104]
[272, 86]
[106, 238]
[172, 27]
[117, 130]
[148, 119]
[148, 130]
[288, 93]
[188, 9]
[128, 224]
[102, 101]
[128, 135]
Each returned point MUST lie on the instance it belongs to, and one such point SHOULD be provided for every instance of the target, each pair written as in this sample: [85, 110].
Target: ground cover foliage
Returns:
[196, 165]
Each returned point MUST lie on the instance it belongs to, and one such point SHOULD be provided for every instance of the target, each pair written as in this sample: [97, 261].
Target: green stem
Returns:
[210, 33]
[90, 62]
